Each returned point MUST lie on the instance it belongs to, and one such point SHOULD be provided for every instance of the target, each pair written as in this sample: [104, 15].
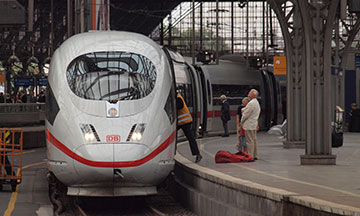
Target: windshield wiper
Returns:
[122, 98]
[132, 91]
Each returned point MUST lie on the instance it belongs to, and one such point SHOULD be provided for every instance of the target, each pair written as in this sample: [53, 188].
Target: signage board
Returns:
[279, 65]
[24, 81]
[42, 82]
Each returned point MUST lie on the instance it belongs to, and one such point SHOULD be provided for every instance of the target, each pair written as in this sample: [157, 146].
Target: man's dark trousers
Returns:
[188, 133]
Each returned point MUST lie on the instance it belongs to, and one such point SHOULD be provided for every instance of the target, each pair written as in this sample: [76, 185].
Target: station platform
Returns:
[276, 176]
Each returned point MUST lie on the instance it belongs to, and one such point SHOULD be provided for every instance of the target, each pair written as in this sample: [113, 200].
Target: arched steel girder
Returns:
[308, 38]
[292, 31]
[344, 53]
[352, 33]
[318, 38]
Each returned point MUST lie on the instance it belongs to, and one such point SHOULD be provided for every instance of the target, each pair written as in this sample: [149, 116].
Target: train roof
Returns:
[100, 41]
[232, 73]
[234, 58]
[175, 56]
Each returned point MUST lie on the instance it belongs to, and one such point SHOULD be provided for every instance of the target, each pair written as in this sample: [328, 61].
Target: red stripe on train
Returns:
[217, 113]
[51, 138]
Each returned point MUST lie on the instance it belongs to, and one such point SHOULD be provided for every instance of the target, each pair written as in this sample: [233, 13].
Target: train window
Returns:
[186, 91]
[111, 76]
[234, 93]
[52, 107]
[208, 89]
[189, 95]
[170, 106]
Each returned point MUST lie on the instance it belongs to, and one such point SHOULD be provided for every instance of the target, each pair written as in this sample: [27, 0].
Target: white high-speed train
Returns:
[111, 115]
[111, 111]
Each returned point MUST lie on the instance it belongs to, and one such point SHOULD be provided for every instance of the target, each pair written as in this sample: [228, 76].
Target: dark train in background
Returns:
[202, 85]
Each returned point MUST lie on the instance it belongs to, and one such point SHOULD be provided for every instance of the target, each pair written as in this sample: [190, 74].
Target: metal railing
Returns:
[21, 107]
[22, 114]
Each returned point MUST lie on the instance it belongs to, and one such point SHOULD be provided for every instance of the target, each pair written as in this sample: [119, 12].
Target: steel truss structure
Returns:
[308, 49]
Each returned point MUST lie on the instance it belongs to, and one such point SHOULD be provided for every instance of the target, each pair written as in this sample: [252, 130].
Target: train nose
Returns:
[93, 159]
[129, 154]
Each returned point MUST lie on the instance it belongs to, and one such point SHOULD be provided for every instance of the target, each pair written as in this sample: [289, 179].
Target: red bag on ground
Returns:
[227, 157]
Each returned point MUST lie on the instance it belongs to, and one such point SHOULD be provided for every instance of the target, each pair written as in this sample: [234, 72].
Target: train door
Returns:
[202, 100]
[173, 90]
[193, 92]
[187, 87]
[280, 102]
[275, 98]
[267, 94]
[208, 113]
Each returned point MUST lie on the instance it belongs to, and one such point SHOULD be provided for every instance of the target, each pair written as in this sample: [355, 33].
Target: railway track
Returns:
[128, 206]
[142, 210]
[162, 204]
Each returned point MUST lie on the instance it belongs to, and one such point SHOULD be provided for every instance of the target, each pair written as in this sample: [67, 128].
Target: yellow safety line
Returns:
[12, 201]
[30, 151]
[34, 164]
[14, 195]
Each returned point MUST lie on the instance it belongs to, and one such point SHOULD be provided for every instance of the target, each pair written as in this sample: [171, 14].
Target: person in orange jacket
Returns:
[184, 122]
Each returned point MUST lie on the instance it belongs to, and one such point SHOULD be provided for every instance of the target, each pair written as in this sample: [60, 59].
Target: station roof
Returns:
[141, 16]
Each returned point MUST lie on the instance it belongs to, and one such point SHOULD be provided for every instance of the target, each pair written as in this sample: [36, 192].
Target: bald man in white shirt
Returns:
[249, 121]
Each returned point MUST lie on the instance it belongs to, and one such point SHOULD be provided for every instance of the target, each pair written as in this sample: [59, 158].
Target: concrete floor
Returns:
[280, 168]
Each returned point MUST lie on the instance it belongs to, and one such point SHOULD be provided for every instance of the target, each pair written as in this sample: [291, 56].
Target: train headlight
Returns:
[89, 132]
[136, 136]
[136, 132]
[89, 136]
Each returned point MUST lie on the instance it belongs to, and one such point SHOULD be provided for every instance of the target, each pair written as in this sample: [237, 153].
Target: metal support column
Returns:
[170, 30]
[263, 33]
[193, 33]
[318, 18]
[335, 78]
[76, 18]
[307, 38]
[82, 16]
[161, 33]
[30, 15]
[267, 36]
[69, 18]
[52, 29]
[295, 86]
[201, 26]
[352, 32]
[232, 27]
[217, 32]
[247, 32]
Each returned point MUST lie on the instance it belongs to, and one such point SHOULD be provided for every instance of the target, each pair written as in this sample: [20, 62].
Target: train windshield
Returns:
[111, 76]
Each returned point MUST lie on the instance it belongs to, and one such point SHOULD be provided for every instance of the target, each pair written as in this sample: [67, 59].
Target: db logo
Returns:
[113, 138]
